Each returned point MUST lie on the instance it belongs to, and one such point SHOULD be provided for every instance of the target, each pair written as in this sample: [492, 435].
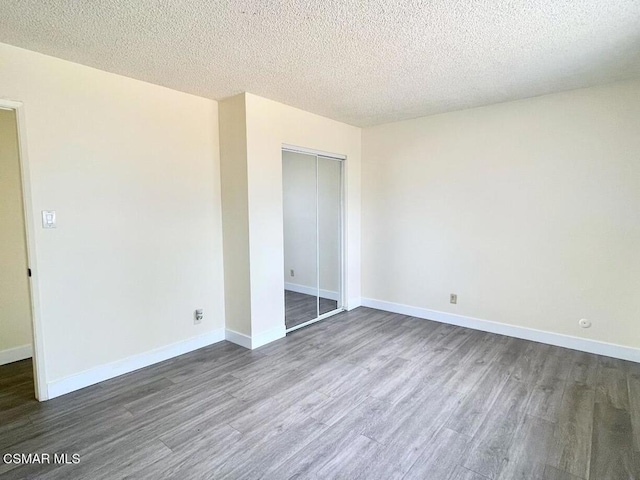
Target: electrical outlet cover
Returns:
[584, 323]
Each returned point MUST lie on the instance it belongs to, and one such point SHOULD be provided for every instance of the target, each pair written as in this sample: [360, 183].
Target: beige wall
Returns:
[233, 172]
[529, 211]
[270, 125]
[132, 172]
[15, 308]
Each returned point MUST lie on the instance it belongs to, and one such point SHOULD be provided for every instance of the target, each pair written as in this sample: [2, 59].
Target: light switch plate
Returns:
[48, 219]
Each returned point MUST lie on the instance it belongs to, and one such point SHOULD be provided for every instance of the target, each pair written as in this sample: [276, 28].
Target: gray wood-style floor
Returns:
[365, 394]
[300, 308]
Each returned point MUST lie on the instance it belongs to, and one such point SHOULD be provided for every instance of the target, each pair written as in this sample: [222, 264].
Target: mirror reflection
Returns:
[312, 208]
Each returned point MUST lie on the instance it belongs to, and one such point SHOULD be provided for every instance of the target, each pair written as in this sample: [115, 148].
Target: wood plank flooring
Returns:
[300, 308]
[365, 394]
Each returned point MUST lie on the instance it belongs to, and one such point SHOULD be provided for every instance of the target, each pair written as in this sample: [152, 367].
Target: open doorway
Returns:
[17, 369]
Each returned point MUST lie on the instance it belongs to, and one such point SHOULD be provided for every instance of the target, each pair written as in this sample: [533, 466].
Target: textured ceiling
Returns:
[361, 62]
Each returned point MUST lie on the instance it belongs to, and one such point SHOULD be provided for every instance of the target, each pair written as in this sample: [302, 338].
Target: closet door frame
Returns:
[342, 293]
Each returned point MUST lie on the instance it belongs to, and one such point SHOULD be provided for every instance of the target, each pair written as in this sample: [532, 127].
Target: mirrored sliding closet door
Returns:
[313, 223]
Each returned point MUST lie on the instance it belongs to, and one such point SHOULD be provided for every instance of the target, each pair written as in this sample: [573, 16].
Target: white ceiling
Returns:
[358, 61]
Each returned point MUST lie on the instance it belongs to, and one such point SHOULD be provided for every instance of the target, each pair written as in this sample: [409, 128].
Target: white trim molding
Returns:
[311, 151]
[354, 303]
[541, 336]
[295, 287]
[130, 364]
[255, 341]
[269, 336]
[37, 353]
[238, 338]
[15, 354]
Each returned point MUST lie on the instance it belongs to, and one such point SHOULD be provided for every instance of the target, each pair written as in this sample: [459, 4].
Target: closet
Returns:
[313, 236]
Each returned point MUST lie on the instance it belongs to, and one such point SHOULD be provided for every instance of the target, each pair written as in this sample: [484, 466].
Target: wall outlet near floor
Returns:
[198, 315]
[453, 298]
[584, 323]
[292, 273]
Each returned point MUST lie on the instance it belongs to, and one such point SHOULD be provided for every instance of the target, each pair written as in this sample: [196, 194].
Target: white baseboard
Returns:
[269, 336]
[354, 303]
[15, 354]
[550, 338]
[294, 287]
[130, 364]
[238, 338]
[255, 341]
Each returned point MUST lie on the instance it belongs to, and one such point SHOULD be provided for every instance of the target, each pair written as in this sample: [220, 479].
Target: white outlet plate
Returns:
[48, 219]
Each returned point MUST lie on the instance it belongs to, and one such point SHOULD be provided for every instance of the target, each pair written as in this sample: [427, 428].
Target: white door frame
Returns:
[343, 230]
[39, 373]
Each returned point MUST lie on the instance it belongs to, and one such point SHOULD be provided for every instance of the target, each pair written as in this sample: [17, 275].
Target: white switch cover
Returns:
[48, 219]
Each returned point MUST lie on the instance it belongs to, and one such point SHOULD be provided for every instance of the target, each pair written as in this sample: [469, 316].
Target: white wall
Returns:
[312, 222]
[132, 170]
[270, 125]
[529, 211]
[15, 307]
